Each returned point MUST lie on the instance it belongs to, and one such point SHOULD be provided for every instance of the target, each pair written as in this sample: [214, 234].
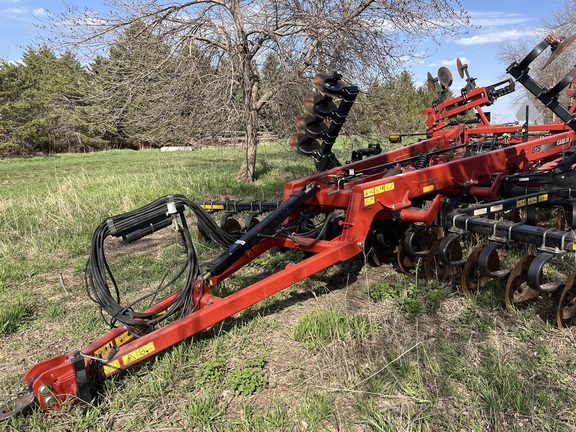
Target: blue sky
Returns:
[496, 21]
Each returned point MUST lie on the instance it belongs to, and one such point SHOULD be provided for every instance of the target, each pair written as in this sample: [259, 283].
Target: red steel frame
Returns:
[59, 372]
[364, 198]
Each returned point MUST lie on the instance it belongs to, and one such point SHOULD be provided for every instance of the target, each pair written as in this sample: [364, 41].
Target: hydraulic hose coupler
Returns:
[173, 213]
[206, 279]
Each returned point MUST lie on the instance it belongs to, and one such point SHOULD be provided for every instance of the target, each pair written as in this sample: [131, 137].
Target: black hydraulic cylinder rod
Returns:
[265, 228]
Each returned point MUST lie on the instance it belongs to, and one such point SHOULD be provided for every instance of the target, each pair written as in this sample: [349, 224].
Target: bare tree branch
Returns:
[363, 38]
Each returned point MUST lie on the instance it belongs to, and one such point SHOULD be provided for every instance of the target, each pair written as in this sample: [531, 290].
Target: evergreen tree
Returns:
[138, 104]
[40, 104]
[395, 105]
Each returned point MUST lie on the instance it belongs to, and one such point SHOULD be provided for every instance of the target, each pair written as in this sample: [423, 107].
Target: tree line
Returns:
[52, 103]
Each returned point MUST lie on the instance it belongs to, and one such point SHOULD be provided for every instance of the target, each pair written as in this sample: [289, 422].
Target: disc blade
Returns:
[560, 49]
[431, 82]
[329, 84]
[460, 67]
[445, 77]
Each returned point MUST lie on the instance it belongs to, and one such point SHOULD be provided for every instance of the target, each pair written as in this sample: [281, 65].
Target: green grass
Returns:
[351, 348]
[319, 328]
[409, 297]
[204, 411]
[14, 315]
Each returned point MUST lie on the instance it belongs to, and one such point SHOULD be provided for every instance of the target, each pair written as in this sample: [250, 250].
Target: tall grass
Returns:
[50, 206]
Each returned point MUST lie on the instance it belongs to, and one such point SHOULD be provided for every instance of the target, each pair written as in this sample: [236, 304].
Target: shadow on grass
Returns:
[341, 275]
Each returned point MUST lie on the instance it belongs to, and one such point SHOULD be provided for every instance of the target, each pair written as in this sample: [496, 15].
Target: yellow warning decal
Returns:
[369, 201]
[111, 367]
[104, 349]
[370, 192]
[543, 197]
[532, 200]
[123, 338]
[212, 206]
[427, 189]
[521, 203]
[573, 246]
[118, 341]
[138, 353]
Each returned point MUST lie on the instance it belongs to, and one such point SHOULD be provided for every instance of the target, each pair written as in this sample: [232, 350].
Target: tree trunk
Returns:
[248, 168]
[250, 88]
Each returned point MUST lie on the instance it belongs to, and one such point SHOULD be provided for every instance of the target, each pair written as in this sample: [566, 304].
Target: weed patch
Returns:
[249, 378]
[211, 372]
[318, 328]
[382, 290]
[406, 295]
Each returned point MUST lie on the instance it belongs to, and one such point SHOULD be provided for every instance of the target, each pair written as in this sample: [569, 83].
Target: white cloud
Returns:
[496, 36]
[18, 10]
[494, 27]
[88, 19]
[497, 19]
[451, 62]
[39, 11]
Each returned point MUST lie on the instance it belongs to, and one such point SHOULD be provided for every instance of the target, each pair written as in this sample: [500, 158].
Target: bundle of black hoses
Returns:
[101, 284]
